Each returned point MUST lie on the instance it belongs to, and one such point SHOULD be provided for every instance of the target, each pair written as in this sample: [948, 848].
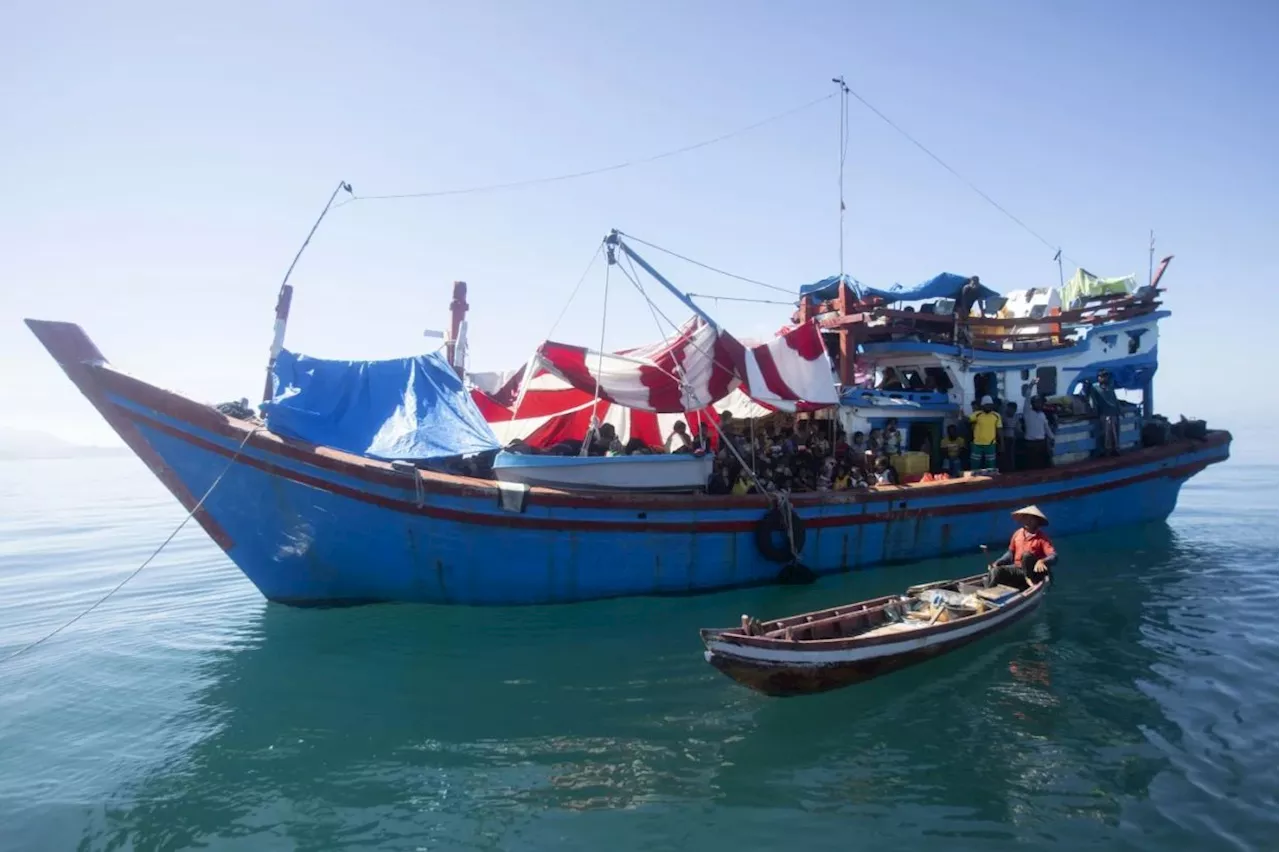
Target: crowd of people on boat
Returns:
[818, 455]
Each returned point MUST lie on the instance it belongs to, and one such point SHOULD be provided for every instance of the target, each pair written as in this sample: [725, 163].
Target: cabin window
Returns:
[911, 379]
[889, 380]
[936, 378]
[1047, 381]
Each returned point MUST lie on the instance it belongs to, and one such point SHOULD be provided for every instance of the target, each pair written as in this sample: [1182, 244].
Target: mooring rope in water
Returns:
[148, 560]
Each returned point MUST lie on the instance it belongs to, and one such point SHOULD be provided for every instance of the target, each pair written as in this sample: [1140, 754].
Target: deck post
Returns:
[1148, 399]
[847, 348]
[457, 315]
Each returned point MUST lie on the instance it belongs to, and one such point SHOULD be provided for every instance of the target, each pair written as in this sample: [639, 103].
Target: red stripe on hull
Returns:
[639, 526]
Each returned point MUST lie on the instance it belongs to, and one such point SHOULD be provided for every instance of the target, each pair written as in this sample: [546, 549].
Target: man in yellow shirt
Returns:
[952, 447]
[986, 428]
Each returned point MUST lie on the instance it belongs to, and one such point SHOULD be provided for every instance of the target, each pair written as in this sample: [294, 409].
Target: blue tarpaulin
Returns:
[943, 286]
[412, 408]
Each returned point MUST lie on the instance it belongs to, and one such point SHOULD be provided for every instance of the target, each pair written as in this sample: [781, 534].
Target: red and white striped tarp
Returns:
[552, 411]
[700, 366]
[644, 391]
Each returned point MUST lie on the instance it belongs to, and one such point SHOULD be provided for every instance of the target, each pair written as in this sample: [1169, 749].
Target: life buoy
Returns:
[771, 536]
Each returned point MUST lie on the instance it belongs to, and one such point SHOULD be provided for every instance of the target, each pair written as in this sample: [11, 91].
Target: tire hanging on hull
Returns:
[783, 519]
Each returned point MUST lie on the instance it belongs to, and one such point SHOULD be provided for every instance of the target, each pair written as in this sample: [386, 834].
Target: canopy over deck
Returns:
[410, 408]
[945, 285]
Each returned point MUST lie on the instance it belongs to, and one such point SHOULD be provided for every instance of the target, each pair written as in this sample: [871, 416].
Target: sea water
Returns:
[1137, 709]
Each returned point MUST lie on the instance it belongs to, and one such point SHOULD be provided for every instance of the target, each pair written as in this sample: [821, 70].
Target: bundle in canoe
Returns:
[825, 650]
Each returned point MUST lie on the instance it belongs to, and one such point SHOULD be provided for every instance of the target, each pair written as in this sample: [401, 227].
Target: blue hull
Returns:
[315, 526]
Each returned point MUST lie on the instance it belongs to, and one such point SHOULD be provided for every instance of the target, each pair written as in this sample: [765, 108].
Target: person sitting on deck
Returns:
[875, 443]
[952, 452]
[703, 441]
[603, 441]
[885, 473]
[1030, 555]
[986, 428]
[679, 441]
[843, 481]
[857, 450]
[637, 447]
[721, 481]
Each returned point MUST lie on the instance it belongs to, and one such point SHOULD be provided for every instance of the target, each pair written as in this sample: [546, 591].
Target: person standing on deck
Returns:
[986, 430]
[970, 293]
[1030, 555]
[1039, 435]
[1108, 408]
[1009, 437]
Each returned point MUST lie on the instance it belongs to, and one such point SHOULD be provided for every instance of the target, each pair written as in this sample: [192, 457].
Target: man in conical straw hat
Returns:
[1030, 555]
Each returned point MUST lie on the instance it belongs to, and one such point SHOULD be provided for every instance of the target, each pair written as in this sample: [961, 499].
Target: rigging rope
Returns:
[739, 299]
[531, 366]
[956, 174]
[146, 561]
[519, 184]
[708, 267]
[595, 403]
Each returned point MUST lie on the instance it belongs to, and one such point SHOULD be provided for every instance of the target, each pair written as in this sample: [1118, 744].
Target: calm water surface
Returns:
[1138, 710]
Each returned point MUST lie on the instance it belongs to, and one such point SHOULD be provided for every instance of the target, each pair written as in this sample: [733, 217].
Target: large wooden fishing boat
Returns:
[832, 648]
[315, 516]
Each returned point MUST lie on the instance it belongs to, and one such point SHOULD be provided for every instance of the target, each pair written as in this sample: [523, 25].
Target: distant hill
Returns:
[31, 444]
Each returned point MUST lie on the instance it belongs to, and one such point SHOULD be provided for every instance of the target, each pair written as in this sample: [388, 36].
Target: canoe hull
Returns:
[651, 473]
[785, 676]
[314, 526]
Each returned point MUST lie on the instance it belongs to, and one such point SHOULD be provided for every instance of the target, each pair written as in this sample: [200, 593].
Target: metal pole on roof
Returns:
[612, 241]
[1062, 281]
[1151, 257]
[843, 91]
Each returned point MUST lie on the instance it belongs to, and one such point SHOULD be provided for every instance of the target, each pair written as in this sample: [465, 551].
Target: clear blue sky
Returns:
[163, 162]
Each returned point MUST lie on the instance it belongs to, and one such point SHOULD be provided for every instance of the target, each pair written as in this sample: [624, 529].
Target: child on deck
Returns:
[892, 437]
[885, 474]
[953, 452]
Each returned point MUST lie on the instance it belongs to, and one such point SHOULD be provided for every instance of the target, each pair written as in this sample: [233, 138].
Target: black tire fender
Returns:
[767, 535]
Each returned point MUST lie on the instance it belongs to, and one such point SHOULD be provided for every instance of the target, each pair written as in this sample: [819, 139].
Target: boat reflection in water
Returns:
[453, 726]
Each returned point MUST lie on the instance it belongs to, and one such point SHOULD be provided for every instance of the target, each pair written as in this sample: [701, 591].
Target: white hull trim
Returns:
[785, 657]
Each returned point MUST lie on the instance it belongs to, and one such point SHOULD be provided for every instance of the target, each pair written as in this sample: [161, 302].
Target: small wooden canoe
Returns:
[833, 648]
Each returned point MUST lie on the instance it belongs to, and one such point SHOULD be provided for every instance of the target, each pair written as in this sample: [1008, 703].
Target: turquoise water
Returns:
[1137, 710]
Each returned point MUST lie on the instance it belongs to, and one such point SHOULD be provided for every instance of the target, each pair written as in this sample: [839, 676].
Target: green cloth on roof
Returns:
[1087, 285]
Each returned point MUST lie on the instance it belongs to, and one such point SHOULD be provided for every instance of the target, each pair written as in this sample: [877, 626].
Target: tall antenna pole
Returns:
[1062, 281]
[285, 299]
[843, 91]
[1151, 257]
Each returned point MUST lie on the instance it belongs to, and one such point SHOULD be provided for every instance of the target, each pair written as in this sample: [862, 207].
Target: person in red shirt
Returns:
[1030, 555]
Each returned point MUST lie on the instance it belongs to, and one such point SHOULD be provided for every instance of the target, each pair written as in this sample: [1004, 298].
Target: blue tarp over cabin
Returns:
[415, 409]
[945, 285]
